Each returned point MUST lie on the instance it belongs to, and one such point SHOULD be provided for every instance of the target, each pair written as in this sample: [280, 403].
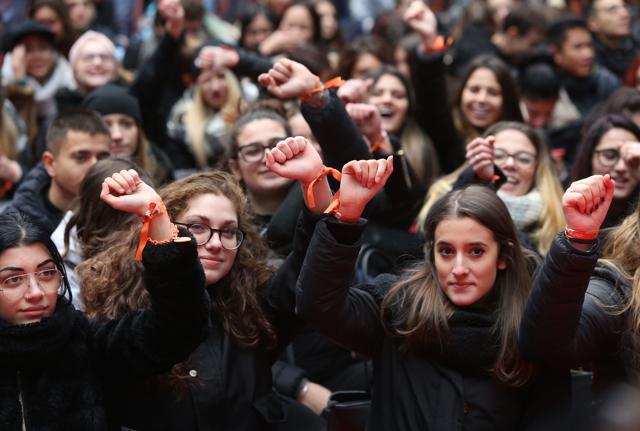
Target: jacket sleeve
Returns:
[348, 316]
[565, 323]
[433, 111]
[150, 341]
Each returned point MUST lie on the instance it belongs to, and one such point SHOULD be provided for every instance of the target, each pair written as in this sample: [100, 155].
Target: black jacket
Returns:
[31, 199]
[54, 373]
[412, 391]
[572, 316]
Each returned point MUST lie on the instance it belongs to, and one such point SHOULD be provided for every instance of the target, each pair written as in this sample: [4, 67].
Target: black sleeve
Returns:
[287, 378]
[350, 317]
[251, 64]
[150, 341]
[433, 110]
[565, 323]
[468, 177]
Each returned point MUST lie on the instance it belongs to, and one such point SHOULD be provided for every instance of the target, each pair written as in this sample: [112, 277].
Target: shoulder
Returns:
[380, 286]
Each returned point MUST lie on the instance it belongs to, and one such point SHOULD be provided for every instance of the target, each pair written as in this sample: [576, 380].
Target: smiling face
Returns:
[390, 96]
[37, 300]
[39, 57]
[466, 258]
[609, 146]
[215, 211]
[95, 66]
[481, 100]
[520, 167]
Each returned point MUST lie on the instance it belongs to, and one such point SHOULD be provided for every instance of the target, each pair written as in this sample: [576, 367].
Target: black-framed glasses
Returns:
[252, 153]
[607, 157]
[522, 158]
[230, 237]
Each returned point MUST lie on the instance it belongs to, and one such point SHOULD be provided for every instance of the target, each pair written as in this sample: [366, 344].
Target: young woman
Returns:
[40, 330]
[226, 383]
[604, 150]
[442, 336]
[53, 14]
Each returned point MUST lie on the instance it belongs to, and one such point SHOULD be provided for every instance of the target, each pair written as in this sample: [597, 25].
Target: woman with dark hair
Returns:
[364, 55]
[605, 149]
[54, 15]
[40, 329]
[298, 25]
[256, 24]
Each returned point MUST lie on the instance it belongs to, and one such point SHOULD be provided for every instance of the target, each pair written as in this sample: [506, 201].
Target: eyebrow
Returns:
[15, 268]
[206, 220]
[473, 243]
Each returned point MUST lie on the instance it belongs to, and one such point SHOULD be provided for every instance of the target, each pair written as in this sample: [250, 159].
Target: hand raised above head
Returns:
[212, 57]
[288, 79]
[355, 90]
[126, 192]
[422, 20]
[173, 12]
[586, 202]
[479, 155]
[366, 117]
[361, 180]
[295, 158]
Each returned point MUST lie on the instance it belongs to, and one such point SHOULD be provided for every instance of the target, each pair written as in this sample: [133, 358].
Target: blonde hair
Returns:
[420, 151]
[199, 114]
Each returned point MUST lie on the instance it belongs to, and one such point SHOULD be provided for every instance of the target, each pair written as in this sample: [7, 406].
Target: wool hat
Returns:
[28, 28]
[90, 36]
[113, 99]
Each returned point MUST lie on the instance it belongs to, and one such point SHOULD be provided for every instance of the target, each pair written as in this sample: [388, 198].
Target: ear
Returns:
[502, 264]
[48, 160]
[235, 170]
[592, 24]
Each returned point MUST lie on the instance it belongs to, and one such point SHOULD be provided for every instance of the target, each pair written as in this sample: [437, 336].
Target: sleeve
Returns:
[251, 64]
[150, 341]
[287, 378]
[468, 177]
[350, 317]
[433, 111]
[565, 323]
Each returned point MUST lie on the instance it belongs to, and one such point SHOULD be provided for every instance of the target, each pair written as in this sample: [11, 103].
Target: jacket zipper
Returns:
[21, 401]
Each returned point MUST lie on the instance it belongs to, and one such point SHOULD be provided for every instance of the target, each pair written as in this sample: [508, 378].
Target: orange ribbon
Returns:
[440, 44]
[311, 200]
[581, 235]
[155, 209]
[332, 83]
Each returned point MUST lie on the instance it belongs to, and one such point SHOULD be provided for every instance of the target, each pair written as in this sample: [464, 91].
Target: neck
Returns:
[267, 203]
[613, 42]
[59, 198]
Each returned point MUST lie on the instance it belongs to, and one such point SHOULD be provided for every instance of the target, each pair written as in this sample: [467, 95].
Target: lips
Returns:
[35, 311]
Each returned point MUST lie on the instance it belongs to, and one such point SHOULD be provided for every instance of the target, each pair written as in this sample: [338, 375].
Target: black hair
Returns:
[524, 18]
[80, 120]
[19, 230]
[251, 14]
[558, 29]
[259, 111]
[539, 81]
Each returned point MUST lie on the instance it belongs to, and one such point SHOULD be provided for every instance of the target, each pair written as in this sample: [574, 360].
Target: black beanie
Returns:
[28, 28]
[113, 99]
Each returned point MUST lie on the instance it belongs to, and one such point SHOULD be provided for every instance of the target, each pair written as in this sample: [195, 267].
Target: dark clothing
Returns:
[32, 199]
[475, 40]
[227, 388]
[572, 316]
[586, 93]
[417, 390]
[617, 60]
[54, 373]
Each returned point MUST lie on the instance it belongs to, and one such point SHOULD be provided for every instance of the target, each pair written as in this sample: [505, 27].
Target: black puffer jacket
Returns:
[54, 373]
[572, 316]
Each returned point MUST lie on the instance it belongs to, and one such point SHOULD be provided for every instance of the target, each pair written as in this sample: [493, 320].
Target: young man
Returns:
[76, 139]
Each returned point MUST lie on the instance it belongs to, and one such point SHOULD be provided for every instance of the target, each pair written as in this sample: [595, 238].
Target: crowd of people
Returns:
[320, 215]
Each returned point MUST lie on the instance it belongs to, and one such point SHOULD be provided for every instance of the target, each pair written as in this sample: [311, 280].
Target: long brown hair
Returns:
[416, 308]
[237, 302]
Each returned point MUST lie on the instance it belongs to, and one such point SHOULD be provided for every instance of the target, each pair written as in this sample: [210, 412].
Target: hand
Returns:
[295, 158]
[480, 157]
[126, 192]
[361, 180]
[586, 202]
[316, 397]
[10, 170]
[19, 62]
[630, 153]
[173, 13]
[214, 57]
[367, 118]
[355, 90]
[279, 41]
[287, 79]
[423, 21]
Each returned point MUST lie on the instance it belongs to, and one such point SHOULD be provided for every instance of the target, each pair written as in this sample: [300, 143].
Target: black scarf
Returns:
[30, 345]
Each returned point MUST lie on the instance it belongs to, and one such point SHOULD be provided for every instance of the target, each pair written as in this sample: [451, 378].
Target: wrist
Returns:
[303, 389]
[348, 213]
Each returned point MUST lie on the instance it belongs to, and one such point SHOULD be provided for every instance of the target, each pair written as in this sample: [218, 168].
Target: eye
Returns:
[476, 251]
[252, 150]
[610, 154]
[47, 274]
[81, 157]
[229, 233]
[13, 281]
[445, 251]
[198, 228]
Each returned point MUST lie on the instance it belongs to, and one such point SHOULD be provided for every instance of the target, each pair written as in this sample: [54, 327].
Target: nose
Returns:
[34, 291]
[116, 133]
[460, 268]
[620, 166]
[214, 242]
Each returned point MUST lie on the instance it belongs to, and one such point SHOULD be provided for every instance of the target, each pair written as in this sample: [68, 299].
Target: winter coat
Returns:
[573, 318]
[55, 373]
[414, 390]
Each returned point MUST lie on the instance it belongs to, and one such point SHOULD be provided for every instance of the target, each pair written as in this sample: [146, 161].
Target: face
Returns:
[499, 9]
[76, 155]
[257, 31]
[257, 178]
[466, 259]
[576, 56]
[390, 96]
[218, 212]
[520, 46]
[611, 18]
[124, 134]
[81, 13]
[297, 19]
[36, 298]
[213, 88]
[95, 66]
[328, 19]
[47, 16]
[364, 64]
[604, 161]
[482, 99]
[539, 111]
[39, 57]
[517, 157]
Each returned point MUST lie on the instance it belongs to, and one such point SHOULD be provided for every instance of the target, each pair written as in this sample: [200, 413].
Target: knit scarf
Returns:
[525, 210]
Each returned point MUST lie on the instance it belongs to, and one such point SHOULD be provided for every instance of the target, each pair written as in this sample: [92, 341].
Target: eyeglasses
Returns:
[607, 157]
[522, 158]
[90, 57]
[230, 237]
[252, 153]
[47, 279]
